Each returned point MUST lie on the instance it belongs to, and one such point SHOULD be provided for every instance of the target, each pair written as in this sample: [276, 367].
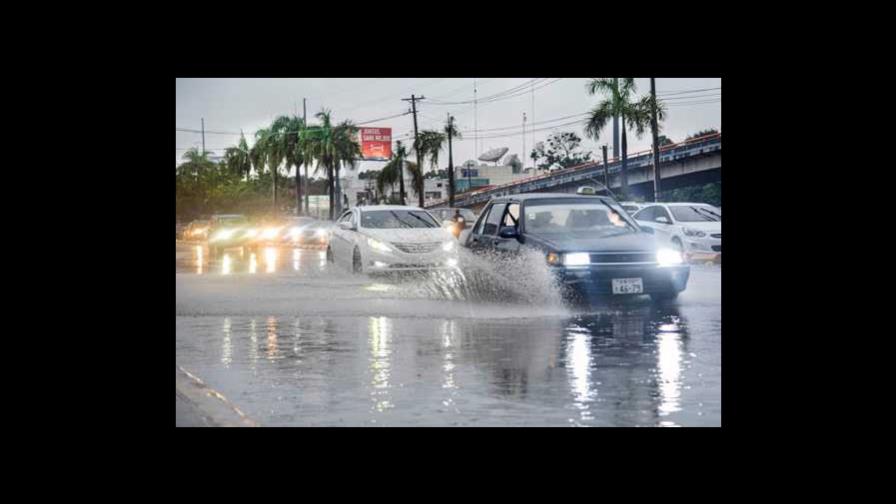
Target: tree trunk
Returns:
[624, 162]
[330, 189]
[401, 180]
[298, 190]
[307, 202]
[274, 175]
[450, 174]
[338, 191]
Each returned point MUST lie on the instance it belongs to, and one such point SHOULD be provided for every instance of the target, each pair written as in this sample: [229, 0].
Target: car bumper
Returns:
[598, 280]
[402, 261]
[702, 245]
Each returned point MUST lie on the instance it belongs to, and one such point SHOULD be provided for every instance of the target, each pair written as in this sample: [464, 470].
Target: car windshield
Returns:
[233, 221]
[591, 216]
[393, 219]
[694, 214]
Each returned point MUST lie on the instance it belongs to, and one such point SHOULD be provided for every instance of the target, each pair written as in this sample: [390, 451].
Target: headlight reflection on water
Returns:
[270, 259]
[380, 331]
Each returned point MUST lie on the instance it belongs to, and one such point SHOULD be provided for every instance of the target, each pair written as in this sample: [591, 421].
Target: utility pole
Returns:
[533, 119]
[450, 164]
[413, 99]
[606, 168]
[524, 136]
[656, 148]
[307, 196]
[475, 122]
[616, 126]
[398, 151]
[203, 136]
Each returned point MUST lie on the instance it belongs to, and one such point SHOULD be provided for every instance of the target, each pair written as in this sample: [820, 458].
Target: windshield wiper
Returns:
[712, 214]
[399, 219]
[428, 224]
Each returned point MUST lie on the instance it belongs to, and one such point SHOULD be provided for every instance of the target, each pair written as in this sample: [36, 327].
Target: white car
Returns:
[384, 238]
[631, 207]
[692, 228]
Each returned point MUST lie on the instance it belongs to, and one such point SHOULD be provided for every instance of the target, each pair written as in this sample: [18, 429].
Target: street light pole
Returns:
[450, 164]
[656, 149]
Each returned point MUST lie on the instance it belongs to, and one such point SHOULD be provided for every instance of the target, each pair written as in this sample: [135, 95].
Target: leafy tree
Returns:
[428, 144]
[562, 149]
[710, 131]
[619, 101]
[663, 140]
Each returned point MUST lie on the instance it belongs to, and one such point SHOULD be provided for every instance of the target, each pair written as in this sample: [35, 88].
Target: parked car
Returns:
[448, 218]
[592, 246]
[631, 207]
[305, 232]
[196, 230]
[387, 238]
[227, 231]
[691, 228]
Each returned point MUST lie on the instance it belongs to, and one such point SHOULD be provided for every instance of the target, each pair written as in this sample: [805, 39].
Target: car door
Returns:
[483, 236]
[340, 244]
[511, 218]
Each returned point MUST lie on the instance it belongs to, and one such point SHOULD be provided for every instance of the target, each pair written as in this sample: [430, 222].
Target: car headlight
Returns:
[321, 232]
[378, 245]
[223, 234]
[448, 246]
[270, 233]
[553, 259]
[576, 259]
[692, 232]
[668, 257]
[251, 232]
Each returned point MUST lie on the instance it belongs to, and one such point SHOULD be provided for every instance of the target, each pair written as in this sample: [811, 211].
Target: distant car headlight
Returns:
[378, 245]
[270, 233]
[223, 234]
[251, 232]
[692, 232]
[668, 257]
[553, 259]
[576, 259]
[448, 246]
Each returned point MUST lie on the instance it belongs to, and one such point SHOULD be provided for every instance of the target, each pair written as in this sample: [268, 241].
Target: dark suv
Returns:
[591, 244]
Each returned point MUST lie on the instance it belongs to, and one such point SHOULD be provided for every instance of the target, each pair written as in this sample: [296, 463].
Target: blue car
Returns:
[591, 244]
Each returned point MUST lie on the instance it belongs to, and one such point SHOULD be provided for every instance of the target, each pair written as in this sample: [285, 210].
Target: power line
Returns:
[667, 93]
[710, 95]
[495, 96]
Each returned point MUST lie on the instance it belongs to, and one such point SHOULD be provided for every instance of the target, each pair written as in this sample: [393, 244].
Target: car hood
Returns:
[414, 235]
[619, 243]
[705, 226]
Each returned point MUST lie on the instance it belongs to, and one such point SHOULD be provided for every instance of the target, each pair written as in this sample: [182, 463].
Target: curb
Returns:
[216, 409]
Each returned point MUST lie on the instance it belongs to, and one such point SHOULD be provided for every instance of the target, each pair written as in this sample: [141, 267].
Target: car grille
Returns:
[623, 257]
[717, 235]
[416, 248]
[717, 248]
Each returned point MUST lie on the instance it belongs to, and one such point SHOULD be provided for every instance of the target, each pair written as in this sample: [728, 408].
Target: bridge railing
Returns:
[635, 160]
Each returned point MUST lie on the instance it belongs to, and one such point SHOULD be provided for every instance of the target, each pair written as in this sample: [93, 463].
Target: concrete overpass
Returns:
[695, 162]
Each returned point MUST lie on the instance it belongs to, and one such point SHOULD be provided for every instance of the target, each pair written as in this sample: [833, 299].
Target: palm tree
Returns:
[428, 144]
[289, 130]
[323, 148]
[400, 155]
[619, 101]
[452, 132]
[346, 151]
[237, 158]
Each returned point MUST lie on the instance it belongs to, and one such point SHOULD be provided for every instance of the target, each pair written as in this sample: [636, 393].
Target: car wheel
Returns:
[357, 266]
[664, 296]
[676, 243]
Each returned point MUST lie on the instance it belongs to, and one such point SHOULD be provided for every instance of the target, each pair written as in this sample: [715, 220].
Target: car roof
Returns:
[534, 196]
[681, 203]
[387, 207]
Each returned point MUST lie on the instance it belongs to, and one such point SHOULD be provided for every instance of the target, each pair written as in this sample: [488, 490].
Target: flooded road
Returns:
[294, 341]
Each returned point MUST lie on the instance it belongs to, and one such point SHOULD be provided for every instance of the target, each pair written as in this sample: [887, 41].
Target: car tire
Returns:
[357, 265]
[678, 245]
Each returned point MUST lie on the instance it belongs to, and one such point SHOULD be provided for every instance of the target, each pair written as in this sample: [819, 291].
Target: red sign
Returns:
[376, 143]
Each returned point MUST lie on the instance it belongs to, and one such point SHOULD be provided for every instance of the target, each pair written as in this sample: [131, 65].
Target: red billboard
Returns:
[376, 143]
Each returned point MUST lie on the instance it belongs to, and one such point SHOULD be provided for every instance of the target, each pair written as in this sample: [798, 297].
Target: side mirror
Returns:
[663, 219]
[648, 230]
[508, 232]
[348, 226]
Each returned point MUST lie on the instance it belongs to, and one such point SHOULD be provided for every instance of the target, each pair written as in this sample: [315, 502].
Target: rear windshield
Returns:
[695, 213]
[576, 216]
[394, 219]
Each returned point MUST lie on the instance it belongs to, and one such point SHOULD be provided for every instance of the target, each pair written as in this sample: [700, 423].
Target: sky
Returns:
[231, 105]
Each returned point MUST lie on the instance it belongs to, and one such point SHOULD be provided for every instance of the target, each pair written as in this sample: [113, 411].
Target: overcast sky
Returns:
[231, 105]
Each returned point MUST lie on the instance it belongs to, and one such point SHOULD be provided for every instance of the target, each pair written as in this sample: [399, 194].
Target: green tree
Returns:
[237, 158]
[348, 150]
[663, 140]
[619, 101]
[428, 143]
[562, 149]
[710, 131]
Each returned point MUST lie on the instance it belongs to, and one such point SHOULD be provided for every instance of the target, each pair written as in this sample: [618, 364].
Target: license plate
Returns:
[628, 286]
